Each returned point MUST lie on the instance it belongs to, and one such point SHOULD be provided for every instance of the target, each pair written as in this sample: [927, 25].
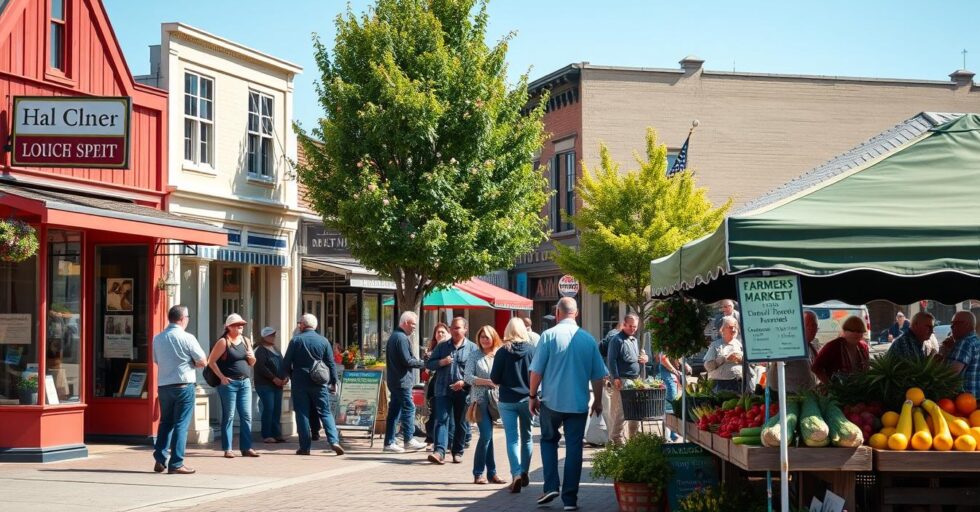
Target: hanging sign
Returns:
[71, 131]
[568, 286]
[772, 318]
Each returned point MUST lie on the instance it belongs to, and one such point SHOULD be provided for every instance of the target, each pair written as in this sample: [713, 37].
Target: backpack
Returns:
[604, 344]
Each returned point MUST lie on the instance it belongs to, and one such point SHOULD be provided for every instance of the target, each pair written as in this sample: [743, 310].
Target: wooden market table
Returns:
[835, 467]
[931, 479]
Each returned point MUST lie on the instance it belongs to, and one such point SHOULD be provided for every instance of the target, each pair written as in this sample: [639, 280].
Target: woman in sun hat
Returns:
[230, 360]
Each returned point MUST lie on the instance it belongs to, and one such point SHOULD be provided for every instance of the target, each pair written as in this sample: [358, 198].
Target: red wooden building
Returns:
[88, 172]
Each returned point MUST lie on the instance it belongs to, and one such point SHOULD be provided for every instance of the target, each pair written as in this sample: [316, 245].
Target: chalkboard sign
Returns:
[694, 468]
[358, 400]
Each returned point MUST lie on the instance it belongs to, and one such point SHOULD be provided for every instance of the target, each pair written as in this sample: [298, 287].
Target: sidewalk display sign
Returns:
[772, 318]
[694, 468]
[358, 405]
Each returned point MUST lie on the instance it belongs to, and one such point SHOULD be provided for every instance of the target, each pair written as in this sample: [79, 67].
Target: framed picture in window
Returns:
[119, 294]
[133, 381]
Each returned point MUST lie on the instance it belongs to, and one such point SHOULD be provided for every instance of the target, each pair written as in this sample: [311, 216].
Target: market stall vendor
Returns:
[845, 354]
[723, 360]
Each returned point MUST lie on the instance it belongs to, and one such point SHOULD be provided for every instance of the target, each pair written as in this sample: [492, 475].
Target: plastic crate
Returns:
[643, 404]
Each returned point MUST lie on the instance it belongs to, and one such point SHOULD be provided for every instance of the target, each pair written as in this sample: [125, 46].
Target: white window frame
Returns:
[200, 151]
[260, 146]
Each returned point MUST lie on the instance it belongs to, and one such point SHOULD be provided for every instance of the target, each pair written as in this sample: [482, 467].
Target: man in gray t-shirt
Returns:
[177, 353]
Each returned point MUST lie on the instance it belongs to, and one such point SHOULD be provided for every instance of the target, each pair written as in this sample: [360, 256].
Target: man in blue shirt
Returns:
[624, 360]
[176, 353]
[448, 360]
[304, 349]
[965, 357]
[916, 343]
[565, 362]
[399, 364]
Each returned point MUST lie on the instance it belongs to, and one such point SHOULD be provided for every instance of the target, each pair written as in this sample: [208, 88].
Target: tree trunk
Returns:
[408, 297]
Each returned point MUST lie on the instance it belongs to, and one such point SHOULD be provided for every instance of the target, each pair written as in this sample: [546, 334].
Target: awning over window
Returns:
[109, 215]
[352, 270]
[498, 297]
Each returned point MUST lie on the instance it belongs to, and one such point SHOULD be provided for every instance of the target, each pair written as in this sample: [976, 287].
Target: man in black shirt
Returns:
[400, 366]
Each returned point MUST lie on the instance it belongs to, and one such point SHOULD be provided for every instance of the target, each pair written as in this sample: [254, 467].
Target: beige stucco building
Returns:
[230, 162]
[756, 131]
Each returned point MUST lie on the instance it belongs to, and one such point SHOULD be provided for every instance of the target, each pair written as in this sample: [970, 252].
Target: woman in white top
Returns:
[478, 377]
[723, 360]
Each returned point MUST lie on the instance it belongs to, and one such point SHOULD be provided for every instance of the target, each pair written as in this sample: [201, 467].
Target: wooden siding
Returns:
[95, 67]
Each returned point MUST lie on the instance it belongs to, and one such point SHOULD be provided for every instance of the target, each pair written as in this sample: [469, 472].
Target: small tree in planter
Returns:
[639, 471]
[28, 390]
[18, 241]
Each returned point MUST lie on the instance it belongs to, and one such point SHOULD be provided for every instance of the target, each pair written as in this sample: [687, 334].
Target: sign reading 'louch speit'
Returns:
[772, 318]
[71, 131]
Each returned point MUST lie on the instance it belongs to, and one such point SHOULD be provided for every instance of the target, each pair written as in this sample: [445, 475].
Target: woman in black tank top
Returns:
[231, 359]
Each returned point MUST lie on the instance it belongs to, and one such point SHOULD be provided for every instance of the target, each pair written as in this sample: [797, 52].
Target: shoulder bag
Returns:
[319, 372]
[210, 377]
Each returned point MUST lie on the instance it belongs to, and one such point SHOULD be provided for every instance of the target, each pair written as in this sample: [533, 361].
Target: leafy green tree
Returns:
[423, 159]
[629, 219]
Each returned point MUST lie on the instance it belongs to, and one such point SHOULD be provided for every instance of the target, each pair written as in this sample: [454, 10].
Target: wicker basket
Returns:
[642, 404]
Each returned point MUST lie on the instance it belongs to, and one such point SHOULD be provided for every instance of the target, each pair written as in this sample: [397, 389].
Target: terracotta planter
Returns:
[637, 497]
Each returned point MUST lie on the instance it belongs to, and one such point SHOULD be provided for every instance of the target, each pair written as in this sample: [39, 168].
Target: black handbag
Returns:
[319, 372]
[210, 377]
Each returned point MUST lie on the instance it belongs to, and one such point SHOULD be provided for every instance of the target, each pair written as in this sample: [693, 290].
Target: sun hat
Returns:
[235, 319]
[268, 331]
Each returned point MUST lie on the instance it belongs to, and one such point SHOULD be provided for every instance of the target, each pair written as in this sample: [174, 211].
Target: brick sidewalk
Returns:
[120, 478]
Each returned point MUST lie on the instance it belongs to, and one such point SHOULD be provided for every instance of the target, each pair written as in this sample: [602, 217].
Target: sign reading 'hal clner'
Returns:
[71, 131]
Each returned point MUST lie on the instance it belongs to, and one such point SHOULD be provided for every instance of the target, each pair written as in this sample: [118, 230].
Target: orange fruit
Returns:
[975, 419]
[879, 441]
[916, 395]
[889, 419]
[947, 405]
[888, 431]
[898, 442]
[975, 432]
[966, 403]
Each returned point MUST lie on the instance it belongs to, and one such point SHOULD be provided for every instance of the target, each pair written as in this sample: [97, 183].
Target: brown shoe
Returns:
[158, 468]
[302, 452]
[525, 481]
[229, 455]
[339, 450]
[497, 480]
[479, 480]
[437, 458]
[515, 486]
[250, 453]
[183, 470]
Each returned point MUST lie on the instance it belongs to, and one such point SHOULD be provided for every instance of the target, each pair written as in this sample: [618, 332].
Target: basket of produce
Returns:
[643, 399]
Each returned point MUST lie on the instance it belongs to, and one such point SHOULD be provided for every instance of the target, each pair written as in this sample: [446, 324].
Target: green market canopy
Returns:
[896, 218]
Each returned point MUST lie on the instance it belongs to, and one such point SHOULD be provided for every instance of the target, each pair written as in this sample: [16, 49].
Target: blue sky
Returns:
[897, 39]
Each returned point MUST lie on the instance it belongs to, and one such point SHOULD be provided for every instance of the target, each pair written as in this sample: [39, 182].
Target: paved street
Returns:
[118, 478]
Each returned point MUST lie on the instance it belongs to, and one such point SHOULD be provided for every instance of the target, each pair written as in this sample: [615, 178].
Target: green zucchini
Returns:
[748, 440]
[750, 432]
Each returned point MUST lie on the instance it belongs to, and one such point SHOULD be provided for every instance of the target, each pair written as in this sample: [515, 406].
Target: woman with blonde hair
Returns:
[511, 372]
[483, 401]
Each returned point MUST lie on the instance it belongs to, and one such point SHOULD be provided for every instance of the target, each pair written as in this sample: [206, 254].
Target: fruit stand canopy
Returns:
[896, 218]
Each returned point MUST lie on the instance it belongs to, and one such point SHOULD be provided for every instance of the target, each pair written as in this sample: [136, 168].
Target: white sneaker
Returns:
[414, 444]
[394, 448]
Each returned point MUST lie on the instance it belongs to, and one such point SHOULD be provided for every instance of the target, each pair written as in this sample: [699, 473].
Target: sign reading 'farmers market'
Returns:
[772, 318]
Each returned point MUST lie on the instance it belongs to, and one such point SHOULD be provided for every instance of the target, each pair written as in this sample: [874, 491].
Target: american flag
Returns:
[680, 163]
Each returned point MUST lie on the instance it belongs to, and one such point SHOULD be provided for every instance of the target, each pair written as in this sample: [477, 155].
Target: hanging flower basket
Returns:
[18, 241]
[677, 325]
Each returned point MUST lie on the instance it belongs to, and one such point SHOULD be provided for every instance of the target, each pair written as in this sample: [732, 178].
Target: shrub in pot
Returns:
[639, 470]
[28, 390]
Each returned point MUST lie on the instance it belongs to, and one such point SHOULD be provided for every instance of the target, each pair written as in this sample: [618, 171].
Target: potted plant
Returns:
[350, 357]
[18, 241]
[639, 471]
[28, 390]
[676, 326]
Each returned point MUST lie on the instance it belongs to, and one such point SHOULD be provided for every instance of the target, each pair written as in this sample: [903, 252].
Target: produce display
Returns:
[922, 424]
[647, 383]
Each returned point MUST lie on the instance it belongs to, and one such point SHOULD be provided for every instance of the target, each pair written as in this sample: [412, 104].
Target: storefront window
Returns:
[369, 321]
[331, 320]
[610, 316]
[353, 319]
[120, 315]
[18, 330]
[387, 318]
[64, 325]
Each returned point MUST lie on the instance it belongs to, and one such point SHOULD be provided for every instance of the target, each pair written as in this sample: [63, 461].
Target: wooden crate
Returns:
[673, 423]
[929, 490]
[757, 458]
[720, 446]
[947, 462]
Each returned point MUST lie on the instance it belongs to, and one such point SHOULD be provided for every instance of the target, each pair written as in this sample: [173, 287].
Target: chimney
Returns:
[962, 77]
[691, 64]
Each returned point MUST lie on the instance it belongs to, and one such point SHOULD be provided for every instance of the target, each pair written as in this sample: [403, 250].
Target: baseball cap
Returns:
[268, 331]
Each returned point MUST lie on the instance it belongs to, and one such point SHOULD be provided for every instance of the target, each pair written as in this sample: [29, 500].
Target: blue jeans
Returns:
[303, 395]
[270, 404]
[574, 428]
[236, 395]
[450, 410]
[400, 406]
[517, 429]
[483, 458]
[176, 406]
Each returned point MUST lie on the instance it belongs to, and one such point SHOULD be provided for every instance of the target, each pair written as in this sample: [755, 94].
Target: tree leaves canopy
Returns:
[425, 164]
[629, 219]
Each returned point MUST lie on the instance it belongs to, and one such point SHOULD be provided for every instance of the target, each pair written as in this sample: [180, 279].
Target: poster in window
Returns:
[119, 294]
[15, 329]
[118, 337]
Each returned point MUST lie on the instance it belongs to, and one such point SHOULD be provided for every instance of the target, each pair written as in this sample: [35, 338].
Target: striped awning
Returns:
[242, 256]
